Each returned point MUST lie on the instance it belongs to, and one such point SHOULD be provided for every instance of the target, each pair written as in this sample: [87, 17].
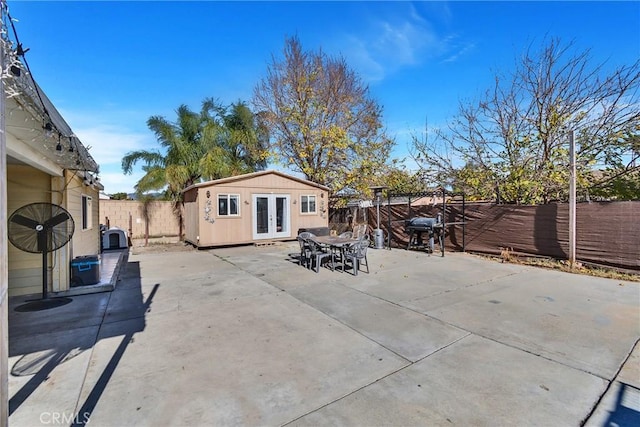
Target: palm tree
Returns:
[242, 144]
[210, 144]
[185, 143]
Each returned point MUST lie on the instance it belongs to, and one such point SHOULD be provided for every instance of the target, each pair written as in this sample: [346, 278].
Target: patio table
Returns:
[336, 243]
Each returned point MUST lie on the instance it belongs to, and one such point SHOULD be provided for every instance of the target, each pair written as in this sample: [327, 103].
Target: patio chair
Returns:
[305, 247]
[339, 252]
[318, 253]
[356, 253]
[359, 230]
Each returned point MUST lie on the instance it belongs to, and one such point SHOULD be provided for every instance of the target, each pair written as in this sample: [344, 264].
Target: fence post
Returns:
[572, 200]
[130, 226]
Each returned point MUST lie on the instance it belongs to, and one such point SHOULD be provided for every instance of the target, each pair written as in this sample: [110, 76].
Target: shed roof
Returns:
[254, 175]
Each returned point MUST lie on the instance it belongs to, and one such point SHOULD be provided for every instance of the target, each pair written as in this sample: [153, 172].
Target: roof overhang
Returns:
[254, 175]
[36, 132]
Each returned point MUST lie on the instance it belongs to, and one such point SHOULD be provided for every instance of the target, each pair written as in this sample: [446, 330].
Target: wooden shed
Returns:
[255, 207]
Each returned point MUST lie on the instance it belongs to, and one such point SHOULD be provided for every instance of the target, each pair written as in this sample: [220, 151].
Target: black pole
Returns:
[464, 224]
[444, 220]
[42, 245]
[389, 220]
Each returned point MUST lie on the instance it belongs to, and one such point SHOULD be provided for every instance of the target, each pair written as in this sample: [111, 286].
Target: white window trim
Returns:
[315, 198]
[228, 197]
[86, 211]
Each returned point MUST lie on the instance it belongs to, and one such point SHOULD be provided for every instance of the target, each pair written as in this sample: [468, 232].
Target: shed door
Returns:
[271, 216]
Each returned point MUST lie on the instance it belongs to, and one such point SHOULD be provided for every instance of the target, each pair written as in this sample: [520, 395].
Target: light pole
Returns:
[4, 268]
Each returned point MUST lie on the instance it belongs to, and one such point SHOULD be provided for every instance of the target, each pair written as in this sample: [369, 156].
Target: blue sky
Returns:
[109, 66]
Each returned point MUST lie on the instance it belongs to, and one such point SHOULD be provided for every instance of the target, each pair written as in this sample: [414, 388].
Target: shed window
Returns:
[308, 204]
[87, 203]
[228, 204]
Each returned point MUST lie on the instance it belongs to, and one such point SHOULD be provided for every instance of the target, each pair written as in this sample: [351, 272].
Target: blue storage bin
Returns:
[85, 270]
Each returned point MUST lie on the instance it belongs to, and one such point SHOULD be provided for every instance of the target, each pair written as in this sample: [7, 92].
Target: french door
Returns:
[271, 216]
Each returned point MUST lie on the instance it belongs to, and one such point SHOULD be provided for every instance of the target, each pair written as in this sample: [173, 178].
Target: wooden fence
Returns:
[608, 233]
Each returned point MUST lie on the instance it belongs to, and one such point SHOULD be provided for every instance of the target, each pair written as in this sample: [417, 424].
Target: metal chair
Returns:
[356, 253]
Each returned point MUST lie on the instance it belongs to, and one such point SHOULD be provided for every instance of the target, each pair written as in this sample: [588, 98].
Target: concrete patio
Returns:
[245, 336]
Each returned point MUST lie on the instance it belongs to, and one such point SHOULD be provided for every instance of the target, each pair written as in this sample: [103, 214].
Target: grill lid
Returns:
[420, 222]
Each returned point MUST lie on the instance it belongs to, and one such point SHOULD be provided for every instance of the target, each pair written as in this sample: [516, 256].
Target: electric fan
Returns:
[41, 228]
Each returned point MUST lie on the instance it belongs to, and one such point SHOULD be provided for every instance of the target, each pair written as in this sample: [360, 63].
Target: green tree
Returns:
[184, 144]
[197, 145]
[621, 180]
[321, 119]
[398, 179]
[476, 182]
[516, 136]
[243, 142]
[119, 196]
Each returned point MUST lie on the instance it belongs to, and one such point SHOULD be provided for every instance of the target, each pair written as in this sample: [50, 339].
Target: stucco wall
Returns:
[126, 214]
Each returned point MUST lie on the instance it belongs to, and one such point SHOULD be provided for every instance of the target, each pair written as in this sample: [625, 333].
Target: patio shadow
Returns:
[45, 340]
[626, 411]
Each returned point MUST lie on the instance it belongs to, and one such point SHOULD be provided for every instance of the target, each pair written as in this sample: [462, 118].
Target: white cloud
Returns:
[110, 135]
[360, 56]
[459, 50]
[403, 42]
[109, 143]
[117, 182]
[384, 46]
[388, 46]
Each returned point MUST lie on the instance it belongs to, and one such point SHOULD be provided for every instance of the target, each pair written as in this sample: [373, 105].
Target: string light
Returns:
[48, 130]
[20, 84]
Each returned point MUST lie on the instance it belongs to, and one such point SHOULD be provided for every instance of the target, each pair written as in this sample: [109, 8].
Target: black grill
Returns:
[420, 224]
[414, 227]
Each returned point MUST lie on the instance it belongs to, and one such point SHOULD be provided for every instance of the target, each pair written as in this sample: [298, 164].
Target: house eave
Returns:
[32, 119]
[254, 175]
[27, 155]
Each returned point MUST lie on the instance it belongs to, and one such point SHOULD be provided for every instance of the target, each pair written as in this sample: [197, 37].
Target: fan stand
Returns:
[41, 218]
[45, 302]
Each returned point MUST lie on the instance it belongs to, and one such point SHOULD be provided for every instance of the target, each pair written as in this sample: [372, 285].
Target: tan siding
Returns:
[235, 230]
[191, 218]
[61, 274]
[25, 185]
[85, 242]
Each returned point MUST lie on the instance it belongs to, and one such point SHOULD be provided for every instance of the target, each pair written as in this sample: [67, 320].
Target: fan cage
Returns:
[27, 238]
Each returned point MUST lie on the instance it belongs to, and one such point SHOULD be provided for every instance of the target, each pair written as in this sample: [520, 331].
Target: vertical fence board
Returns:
[608, 233]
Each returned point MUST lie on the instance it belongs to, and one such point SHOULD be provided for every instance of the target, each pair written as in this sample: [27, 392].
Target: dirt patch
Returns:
[162, 247]
[579, 268]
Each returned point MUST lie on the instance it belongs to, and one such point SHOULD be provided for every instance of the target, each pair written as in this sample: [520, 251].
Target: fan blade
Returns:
[52, 222]
[23, 220]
